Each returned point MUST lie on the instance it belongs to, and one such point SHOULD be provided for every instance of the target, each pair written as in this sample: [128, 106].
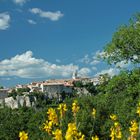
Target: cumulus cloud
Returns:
[4, 21]
[27, 66]
[58, 61]
[20, 2]
[100, 55]
[54, 16]
[84, 72]
[86, 59]
[30, 21]
[94, 68]
[123, 64]
[90, 59]
[110, 71]
[94, 62]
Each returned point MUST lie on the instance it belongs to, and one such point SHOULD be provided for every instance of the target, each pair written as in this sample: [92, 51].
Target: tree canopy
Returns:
[125, 43]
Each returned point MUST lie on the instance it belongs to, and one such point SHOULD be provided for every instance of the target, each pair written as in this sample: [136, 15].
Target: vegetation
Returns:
[21, 90]
[1, 87]
[125, 43]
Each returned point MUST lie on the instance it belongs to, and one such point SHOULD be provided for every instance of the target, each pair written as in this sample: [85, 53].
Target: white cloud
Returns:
[54, 16]
[123, 64]
[93, 59]
[94, 68]
[111, 72]
[20, 2]
[27, 66]
[135, 57]
[86, 59]
[94, 62]
[58, 61]
[84, 72]
[4, 21]
[101, 54]
[31, 21]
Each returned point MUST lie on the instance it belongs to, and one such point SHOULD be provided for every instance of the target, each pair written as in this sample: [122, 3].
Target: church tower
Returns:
[74, 75]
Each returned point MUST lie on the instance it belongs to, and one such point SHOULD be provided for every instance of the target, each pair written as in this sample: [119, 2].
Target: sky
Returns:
[49, 39]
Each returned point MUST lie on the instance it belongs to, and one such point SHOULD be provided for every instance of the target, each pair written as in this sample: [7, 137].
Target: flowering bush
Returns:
[53, 126]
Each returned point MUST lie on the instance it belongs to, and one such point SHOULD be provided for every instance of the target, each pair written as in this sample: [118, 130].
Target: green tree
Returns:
[78, 84]
[21, 90]
[125, 43]
[1, 87]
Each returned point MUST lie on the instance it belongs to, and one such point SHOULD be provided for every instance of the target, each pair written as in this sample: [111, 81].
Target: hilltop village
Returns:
[53, 89]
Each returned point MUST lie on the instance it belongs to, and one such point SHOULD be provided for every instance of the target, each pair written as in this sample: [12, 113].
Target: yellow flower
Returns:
[134, 128]
[73, 134]
[113, 117]
[71, 131]
[48, 126]
[52, 116]
[138, 110]
[95, 137]
[62, 108]
[112, 134]
[116, 131]
[23, 135]
[75, 107]
[116, 124]
[80, 136]
[58, 134]
[94, 113]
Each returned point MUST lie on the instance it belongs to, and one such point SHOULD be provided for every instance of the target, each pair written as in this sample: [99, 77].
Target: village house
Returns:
[54, 88]
[35, 86]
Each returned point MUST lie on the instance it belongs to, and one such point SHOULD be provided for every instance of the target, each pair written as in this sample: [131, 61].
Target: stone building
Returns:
[54, 90]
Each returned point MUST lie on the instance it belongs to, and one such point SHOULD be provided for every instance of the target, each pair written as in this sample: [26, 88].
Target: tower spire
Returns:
[74, 75]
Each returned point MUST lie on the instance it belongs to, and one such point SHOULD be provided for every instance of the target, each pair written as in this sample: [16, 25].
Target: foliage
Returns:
[91, 88]
[78, 84]
[125, 43]
[21, 90]
[14, 93]
[1, 87]
[120, 96]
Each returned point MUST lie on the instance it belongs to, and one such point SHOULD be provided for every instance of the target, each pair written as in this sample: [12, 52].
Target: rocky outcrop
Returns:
[81, 91]
[20, 101]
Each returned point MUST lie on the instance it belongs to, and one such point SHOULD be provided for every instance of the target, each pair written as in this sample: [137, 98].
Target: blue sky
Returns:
[47, 39]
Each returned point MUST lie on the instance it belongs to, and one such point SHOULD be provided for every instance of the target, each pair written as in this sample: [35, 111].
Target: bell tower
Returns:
[74, 75]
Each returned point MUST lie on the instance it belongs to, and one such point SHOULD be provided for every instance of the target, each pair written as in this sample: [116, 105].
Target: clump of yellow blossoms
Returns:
[48, 126]
[138, 109]
[113, 117]
[72, 133]
[115, 129]
[58, 134]
[94, 113]
[52, 120]
[52, 116]
[95, 137]
[133, 130]
[75, 107]
[23, 135]
[62, 108]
